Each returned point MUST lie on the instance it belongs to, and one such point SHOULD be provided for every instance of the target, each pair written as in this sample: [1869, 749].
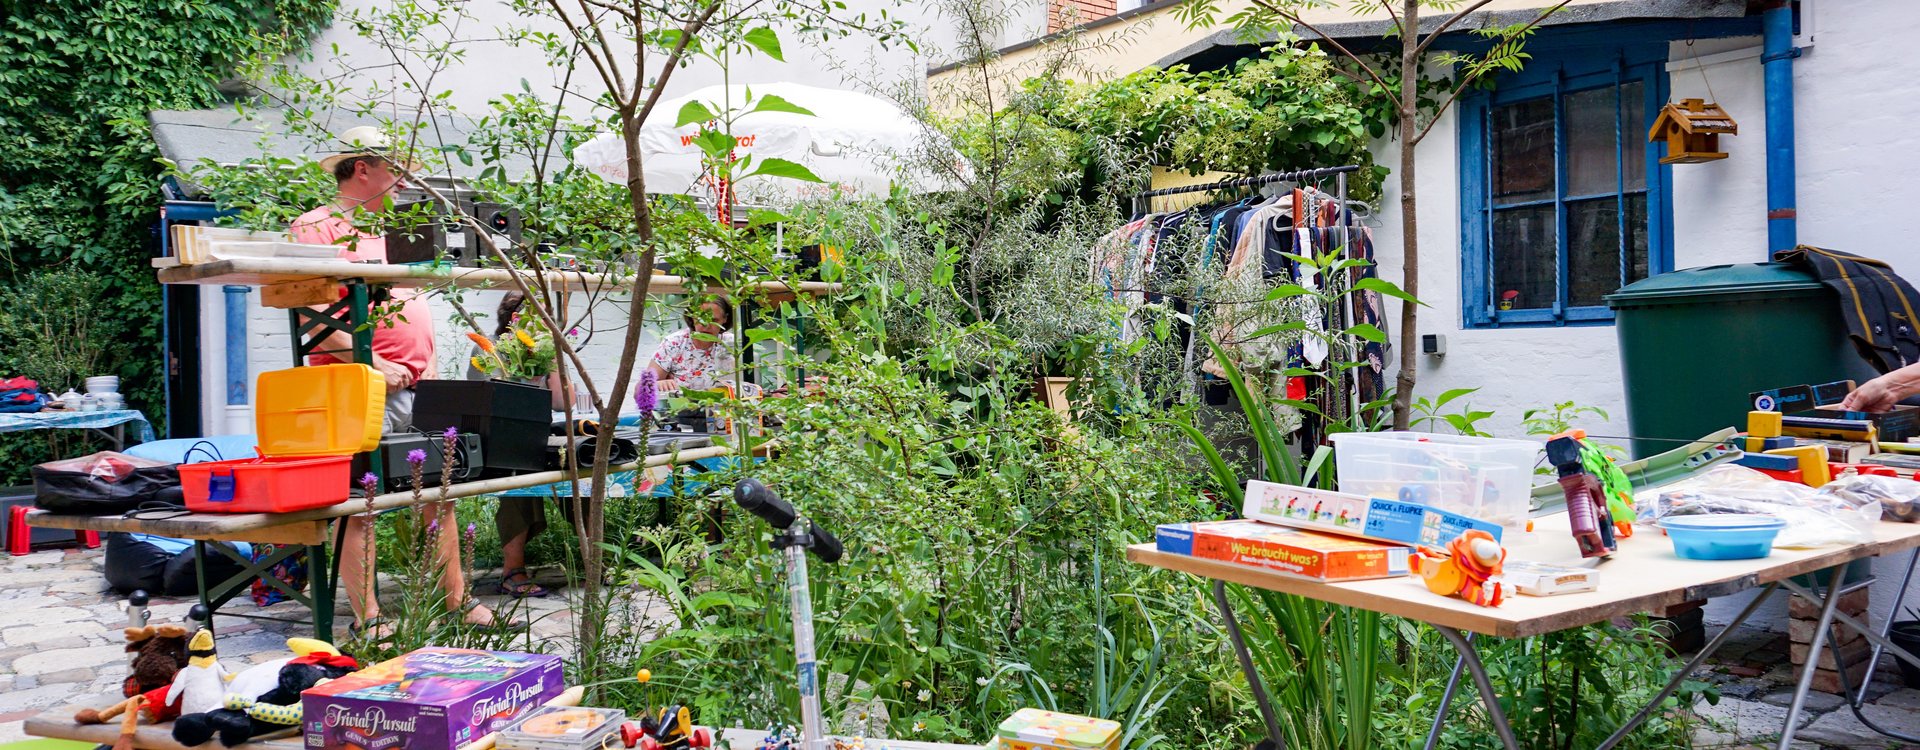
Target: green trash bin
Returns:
[1695, 342]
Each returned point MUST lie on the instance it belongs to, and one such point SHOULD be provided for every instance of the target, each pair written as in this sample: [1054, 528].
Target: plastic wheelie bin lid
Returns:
[1736, 278]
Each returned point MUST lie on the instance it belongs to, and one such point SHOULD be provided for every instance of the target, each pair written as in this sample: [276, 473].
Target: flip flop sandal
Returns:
[374, 626]
[523, 590]
[497, 626]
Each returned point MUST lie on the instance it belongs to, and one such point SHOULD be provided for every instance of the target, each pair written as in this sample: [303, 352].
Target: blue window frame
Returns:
[1563, 200]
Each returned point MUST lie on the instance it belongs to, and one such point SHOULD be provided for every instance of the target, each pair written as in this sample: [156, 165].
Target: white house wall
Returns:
[1858, 152]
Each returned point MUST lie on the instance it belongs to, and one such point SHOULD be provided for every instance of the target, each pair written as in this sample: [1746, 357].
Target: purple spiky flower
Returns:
[369, 481]
[452, 432]
[646, 395]
[416, 457]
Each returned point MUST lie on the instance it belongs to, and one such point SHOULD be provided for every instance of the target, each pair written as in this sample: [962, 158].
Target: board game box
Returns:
[1294, 552]
[430, 699]
[1380, 519]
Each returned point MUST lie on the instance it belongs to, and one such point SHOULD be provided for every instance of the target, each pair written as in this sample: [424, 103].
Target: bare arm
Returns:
[1881, 393]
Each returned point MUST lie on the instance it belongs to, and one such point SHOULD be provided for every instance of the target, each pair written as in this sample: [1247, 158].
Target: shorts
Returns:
[399, 416]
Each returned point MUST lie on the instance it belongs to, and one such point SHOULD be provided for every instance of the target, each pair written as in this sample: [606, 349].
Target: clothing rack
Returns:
[1338, 403]
[1271, 177]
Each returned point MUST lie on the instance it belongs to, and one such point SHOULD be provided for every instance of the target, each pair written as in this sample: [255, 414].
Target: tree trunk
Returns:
[1409, 217]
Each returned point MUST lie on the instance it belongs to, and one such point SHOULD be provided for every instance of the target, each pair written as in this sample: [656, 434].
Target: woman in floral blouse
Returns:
[698, 362]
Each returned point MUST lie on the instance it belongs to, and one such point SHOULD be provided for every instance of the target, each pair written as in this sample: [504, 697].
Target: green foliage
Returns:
[79, 187]
[1287, 109]
[1558, 418]
[1569, 689]
[1429, 413]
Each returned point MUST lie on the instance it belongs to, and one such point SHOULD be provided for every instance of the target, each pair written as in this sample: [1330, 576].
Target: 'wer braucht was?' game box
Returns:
[430, 699]
[1302, 554]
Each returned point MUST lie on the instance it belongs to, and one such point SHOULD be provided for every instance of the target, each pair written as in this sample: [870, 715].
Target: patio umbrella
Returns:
[860, 145]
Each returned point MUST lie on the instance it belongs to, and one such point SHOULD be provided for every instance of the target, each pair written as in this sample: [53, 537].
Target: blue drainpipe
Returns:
[1777, 53]
[236, 298]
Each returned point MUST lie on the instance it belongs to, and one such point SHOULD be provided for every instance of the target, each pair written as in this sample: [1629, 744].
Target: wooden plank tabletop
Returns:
[226, 526]
[57, 723]
[1644, 575]
[268, 271]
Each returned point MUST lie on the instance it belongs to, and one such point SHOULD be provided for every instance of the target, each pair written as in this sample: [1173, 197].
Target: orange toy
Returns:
[1466, 568]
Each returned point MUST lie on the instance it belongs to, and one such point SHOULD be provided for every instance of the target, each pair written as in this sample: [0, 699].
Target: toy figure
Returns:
[200, 685]
[671, 729]
[159, 653]
[1466, 568]
[265, 698]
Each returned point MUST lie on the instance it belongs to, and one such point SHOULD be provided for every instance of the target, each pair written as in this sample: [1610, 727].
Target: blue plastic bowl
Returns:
[1730, 536]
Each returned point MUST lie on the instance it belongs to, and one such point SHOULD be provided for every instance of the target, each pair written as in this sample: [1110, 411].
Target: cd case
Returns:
[564, 728]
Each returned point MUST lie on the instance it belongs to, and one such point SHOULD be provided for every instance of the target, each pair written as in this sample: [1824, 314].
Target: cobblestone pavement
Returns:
[60, 641]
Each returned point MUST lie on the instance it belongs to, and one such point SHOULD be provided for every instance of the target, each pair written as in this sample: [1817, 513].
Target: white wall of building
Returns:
[1857, 153]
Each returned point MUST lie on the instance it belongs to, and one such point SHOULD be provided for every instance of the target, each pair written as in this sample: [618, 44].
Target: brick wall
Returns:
[1066, 14]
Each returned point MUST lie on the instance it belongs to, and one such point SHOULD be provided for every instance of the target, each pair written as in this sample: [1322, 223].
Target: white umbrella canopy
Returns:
[859, 145]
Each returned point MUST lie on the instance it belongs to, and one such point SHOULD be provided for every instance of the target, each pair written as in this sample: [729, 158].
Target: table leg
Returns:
[1873, 662]
[1880, 642]
[1471, 658]
[1260, 699]
[1691, 665]
[321, 580]
[1831, 599]
[1446, 699]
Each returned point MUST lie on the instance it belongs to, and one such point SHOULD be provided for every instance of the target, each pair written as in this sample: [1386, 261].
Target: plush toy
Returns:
[202, 683]
[1466, 568]
[265, 698]
[159, 653]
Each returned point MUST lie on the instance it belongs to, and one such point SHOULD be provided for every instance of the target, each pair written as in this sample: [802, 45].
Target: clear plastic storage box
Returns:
[1486, 478]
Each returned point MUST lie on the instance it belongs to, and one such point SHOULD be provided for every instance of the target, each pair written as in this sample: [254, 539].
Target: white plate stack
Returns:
[105, 390]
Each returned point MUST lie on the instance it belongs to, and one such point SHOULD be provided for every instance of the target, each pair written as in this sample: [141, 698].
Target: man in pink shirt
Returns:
[402, 353]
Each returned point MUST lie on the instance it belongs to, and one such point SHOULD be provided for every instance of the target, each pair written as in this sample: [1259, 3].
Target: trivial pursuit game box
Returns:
[430, 699]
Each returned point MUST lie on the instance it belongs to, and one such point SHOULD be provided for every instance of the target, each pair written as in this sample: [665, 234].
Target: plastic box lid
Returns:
[322, 410]
[1760, 279]
[1052, 729]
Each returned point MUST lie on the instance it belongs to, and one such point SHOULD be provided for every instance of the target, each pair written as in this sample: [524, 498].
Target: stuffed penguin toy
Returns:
[201, 685]
[266, 698]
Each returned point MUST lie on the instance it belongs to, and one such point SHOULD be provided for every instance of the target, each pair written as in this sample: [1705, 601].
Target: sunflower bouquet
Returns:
[522, 353]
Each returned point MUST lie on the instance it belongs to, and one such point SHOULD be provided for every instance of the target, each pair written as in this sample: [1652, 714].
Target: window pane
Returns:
[1637, 243]
[1633, 103]
[1523, 162]
[1593, 250]
[1524, 250]
[1592, 148]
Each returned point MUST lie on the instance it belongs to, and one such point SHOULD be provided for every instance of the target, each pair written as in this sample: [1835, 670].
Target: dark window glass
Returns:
[1523, 152]
[1524, 245]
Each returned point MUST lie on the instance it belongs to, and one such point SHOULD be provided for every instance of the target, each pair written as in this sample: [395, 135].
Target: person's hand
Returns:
[398, 377]
[667, 385]
[1876, 395]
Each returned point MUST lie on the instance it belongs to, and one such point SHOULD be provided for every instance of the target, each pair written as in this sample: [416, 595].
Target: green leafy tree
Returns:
[79, 189]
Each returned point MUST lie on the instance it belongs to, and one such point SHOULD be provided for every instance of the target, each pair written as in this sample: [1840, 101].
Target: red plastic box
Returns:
[266, 485]
[310, 421]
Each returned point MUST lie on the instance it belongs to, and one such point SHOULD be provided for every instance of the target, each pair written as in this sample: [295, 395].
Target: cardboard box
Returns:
[1343, 513]
[430, 699]
[1301, 554]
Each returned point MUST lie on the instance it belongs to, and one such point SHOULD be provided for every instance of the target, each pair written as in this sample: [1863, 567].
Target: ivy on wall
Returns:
[79, 180]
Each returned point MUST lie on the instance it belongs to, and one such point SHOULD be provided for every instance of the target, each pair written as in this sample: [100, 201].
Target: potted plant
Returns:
[511, 411]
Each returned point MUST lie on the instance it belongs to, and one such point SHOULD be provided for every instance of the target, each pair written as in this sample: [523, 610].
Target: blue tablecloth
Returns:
[79, 420]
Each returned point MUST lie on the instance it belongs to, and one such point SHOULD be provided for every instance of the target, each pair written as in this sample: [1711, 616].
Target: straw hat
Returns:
[365, 140]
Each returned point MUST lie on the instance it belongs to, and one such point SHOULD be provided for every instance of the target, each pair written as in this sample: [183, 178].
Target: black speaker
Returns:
[398, 474]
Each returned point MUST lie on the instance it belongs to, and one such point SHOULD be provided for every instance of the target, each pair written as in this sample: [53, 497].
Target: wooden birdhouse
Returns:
[1692, 129]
